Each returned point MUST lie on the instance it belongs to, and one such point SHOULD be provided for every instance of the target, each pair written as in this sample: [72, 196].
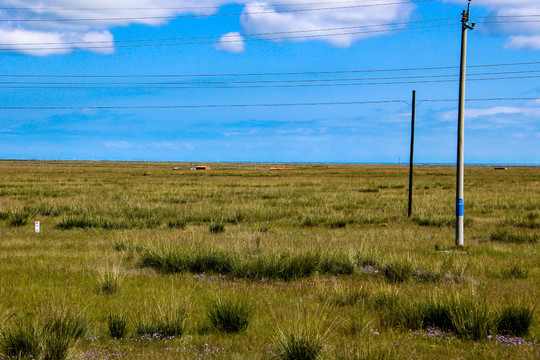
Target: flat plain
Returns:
[319, 261]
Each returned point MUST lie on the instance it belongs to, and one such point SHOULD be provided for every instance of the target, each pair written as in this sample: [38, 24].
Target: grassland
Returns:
[135, 260]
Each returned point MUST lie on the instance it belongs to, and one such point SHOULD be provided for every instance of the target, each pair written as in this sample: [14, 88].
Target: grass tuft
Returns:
[216, 228]
[468, 319]
[109, 280]
[516, 271]
[513, 320]
[299, 345]
[118, 326]
[369, 353]
[51, 337]
[19, 216]
[177, 224]
[286, 266]
[230, 315]
[397, 271]
[168, 321]
[506, 236]
[22, 340]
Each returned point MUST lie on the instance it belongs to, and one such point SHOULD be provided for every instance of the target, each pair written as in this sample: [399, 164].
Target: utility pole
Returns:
[411, 162]
[461, 126]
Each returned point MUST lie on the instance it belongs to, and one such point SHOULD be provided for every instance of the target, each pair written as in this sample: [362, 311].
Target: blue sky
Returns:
[93, 62]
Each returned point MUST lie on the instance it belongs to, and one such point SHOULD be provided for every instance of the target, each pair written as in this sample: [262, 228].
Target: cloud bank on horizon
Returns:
[257, 17]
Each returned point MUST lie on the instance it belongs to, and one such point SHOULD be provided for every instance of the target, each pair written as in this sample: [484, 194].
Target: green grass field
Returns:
[135, 260]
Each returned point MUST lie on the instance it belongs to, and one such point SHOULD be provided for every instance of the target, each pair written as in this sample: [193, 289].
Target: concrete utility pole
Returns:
[461, 126]
[411, 162]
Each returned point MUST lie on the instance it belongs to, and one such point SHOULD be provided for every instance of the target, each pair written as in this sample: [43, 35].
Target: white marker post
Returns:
[37, 227]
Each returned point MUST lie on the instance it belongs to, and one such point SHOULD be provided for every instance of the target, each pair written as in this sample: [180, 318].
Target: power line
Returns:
[488, 99]
[506, 16]
[271, 73]
[226, 35]
[178, 8]
[508, 22]
[200, 106]
[171, 87]
[221, 37]
[265, 81]
[143, 107]
[214, 15]
[226, 41]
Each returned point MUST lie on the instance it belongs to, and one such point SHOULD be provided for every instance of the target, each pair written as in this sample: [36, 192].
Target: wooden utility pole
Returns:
[461, 128]
[411, 161]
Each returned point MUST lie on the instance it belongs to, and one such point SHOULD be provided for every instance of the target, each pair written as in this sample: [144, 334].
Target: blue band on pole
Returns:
[459, 207]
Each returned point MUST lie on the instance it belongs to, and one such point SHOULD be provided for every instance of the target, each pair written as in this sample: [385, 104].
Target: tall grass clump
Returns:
[109, 280]
[168, 321]
[297, 265]
[177, 224]
[174, 259]
[468, 319]
[506, 236]
[118, 326]
[19, 216]
[341, 295]
[309, 221]
[299, 344]
[369, 353]
[50, 338]
[336, 264]
[336, 223]
[516, 271]
[216, 228]
[306, 339]
[286, 266]
[397, 271]
[77, 222]
[514, 320]
[22, 340]
[61, 332]
[530, 221]
[229, 315]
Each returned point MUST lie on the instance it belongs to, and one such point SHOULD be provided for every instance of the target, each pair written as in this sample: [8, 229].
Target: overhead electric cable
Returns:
[199, 106]
[180, 8]
[227, 35]
[224, 41]
[148, 87]
[247, 105]
[214, 15]
[271, 73]
[506, 16]
[264, 81]
[488, 99]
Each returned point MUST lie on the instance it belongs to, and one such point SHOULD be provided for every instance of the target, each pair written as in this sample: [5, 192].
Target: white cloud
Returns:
[521, 42]
[60, 37]
[118, 144]
[43, 43]
[17, 38]
[498, 113]
[231, 42]
[261, 17]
